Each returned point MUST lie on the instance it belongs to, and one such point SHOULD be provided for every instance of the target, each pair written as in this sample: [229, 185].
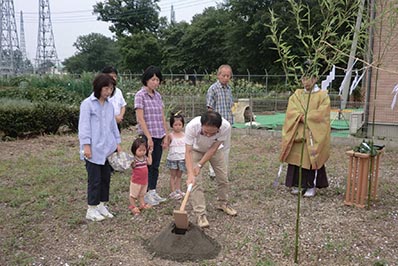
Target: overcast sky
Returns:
[73, 18]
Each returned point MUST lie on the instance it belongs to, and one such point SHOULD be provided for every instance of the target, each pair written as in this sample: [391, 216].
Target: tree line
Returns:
[236, 32]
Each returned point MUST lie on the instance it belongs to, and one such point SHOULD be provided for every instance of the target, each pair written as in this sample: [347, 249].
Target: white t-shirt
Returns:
[176, 148]
[202, 143]
[117, 101]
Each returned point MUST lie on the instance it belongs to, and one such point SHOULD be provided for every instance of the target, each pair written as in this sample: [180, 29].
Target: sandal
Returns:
[134, 210]
[145, 206]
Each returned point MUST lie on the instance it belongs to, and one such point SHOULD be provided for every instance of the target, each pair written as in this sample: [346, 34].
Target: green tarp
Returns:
[340, 127]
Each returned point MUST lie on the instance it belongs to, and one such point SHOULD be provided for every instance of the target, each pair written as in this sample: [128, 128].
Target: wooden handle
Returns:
[185, 200]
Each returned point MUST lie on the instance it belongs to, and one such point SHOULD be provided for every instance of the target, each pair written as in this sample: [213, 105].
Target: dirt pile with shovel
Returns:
[182, 240]
[190, 245]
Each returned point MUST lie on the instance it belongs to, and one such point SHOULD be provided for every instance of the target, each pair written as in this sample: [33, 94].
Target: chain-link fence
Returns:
[269, 112]
[267, 94]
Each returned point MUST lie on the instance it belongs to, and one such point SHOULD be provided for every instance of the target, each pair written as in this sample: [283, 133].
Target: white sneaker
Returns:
[310, 192]
[180, 192]
[294, 190]
[175, 195]
[94, 215]
[149, 199]
[156, 196]
[103, 210]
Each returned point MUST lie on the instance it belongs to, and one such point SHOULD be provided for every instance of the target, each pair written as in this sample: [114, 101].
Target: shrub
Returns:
[129, 117]
[16, 117]
[21, 117]
[51, 94]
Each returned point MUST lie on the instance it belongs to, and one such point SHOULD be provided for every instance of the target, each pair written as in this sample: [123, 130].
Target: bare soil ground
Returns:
[43, 205]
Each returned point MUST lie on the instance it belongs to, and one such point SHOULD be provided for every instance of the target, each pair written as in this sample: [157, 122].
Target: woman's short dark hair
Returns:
[100, 81]
[109, 70]
[173, 118]
[211, 118]
[137, 143]
[150, 72]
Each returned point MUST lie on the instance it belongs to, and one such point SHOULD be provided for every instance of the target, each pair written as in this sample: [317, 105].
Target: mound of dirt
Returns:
[179, 245]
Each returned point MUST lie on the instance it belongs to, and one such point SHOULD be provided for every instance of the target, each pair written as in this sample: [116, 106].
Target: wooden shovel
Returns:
[181, 216]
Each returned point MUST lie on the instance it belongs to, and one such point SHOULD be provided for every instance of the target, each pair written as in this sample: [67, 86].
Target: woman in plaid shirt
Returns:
[149, 110]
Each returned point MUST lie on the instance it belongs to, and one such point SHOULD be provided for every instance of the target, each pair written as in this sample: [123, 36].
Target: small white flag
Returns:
[394, 100]
[325, 84]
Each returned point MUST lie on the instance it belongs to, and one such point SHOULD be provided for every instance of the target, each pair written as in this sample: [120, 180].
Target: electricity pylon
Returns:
[46, 54]
[22, 37]
[9, 46]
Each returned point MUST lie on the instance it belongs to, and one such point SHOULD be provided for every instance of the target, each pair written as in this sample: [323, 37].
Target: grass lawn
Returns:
[43, 206]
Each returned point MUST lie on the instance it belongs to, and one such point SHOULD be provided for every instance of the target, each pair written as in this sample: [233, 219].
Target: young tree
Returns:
[317, 40]
[318, 45]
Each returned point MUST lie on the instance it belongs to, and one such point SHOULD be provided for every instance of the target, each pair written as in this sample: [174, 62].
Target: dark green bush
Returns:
[129, 117]
[72, 118]
[13, 81]
[80, 84]
[16, 117]
[21, 117]
[51, 94]
[51, 116]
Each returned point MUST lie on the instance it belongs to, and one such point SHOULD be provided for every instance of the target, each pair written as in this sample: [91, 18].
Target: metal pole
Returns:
[347, 78]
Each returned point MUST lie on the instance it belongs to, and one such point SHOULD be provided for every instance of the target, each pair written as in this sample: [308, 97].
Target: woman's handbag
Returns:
[120, 161]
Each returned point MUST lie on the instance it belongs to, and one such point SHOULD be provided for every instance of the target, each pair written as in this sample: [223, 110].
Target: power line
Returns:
[61, 12]
[88, 18]
[164, 6]
[178, 2]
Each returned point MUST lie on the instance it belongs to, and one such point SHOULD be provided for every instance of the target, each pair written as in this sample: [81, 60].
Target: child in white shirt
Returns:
[176, 156]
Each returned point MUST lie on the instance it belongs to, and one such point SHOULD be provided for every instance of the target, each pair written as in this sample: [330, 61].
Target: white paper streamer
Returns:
[394, 100]
[357, 79]
[316, 170]
[280, 170]
[276, 181]
[316, 175]
[345, 80]
[325, 84]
